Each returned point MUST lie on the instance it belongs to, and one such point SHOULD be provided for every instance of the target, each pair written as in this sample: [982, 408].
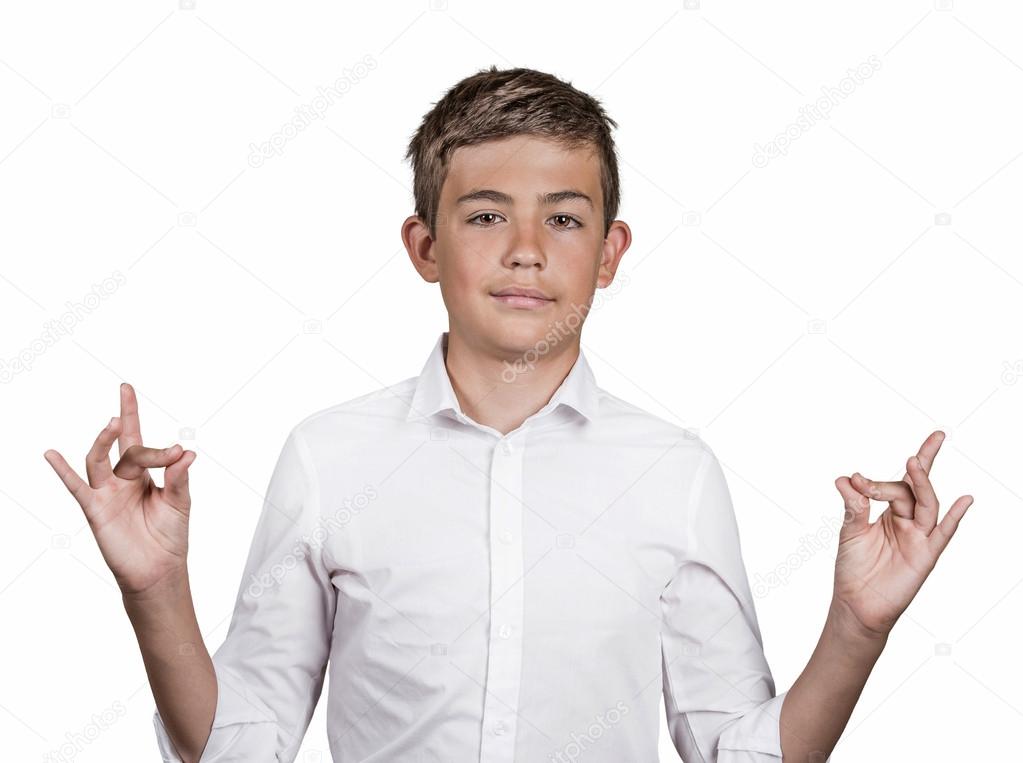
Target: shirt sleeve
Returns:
[271, 667]
[719, 693]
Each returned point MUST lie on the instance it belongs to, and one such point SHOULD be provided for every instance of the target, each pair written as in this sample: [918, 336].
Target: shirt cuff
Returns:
[244, 729]
[755, 737]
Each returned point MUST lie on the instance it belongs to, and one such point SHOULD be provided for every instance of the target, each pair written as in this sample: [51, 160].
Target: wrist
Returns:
[844, 626]
[168, 591]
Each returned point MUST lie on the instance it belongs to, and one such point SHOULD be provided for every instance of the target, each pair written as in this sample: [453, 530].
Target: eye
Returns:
[481, 215]
[488, 220]
[568, 219]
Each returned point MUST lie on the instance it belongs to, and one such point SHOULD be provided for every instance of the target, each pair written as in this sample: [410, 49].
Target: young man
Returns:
[498, 560]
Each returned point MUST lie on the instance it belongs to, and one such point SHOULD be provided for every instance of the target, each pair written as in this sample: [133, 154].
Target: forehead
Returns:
[524, 163]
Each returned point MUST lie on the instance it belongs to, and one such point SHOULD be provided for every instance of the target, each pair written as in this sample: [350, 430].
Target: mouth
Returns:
[521, 297]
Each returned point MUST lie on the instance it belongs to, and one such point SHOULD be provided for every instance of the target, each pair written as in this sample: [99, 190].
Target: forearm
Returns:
[818, 705]
[177, 662]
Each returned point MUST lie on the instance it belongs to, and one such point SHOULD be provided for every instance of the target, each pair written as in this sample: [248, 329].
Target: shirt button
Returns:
[500, 728]
[506, 536]
[504, 631]
[506, 448]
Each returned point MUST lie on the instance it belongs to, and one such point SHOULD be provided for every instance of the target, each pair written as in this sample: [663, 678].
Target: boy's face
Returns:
[509, 236]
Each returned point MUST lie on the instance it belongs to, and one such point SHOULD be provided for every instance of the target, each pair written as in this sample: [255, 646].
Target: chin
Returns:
[518, 336]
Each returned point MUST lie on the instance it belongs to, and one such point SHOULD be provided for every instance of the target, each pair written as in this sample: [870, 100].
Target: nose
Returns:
[525, 249]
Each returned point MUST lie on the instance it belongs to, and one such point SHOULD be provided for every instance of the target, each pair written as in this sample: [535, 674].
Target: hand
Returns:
[141, 529]
[881, 565]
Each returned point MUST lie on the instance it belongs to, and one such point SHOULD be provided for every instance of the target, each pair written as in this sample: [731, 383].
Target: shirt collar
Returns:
[434, 393]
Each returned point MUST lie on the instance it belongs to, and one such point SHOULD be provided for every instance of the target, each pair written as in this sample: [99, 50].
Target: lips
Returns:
[523, 298]
[521, 291]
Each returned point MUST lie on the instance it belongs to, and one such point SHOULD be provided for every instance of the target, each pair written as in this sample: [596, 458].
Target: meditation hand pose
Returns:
[498, 560]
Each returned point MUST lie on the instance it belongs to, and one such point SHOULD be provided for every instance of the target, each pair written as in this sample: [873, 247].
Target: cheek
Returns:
[580, 270]
[466, 271]
[476, 268]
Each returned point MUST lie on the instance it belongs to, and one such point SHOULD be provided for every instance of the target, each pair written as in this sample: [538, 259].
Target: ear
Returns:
[617, 241]
[415, 235]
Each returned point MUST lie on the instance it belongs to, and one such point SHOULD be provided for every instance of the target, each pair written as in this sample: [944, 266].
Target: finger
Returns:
[857, 508]
[175, 481]
[945, 529]
[131, 432]
[97, 460]
[928, 451]
[898, 494]
[75, 484]
[138, 458]
[925, 516]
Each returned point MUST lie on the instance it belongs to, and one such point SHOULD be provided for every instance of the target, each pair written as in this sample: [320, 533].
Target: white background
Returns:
[809, 318]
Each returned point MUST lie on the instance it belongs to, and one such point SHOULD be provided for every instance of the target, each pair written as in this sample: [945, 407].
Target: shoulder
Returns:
[628, 421]
[365, 416]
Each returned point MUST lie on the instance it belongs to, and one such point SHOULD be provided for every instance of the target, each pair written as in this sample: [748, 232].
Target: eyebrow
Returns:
[547, 199]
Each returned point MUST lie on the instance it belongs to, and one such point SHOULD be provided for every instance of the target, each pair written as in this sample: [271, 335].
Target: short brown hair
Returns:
[495, 104]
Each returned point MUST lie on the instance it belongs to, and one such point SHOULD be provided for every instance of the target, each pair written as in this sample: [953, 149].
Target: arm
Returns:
[719, 693]
[818, 705]
[178, 665]
[253, 699]
[142, 533]
[879, 569]
[270, 670]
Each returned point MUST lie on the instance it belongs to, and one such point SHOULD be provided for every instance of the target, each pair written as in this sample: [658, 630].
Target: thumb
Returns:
[175, 481]
[857, 515]
[138, 458]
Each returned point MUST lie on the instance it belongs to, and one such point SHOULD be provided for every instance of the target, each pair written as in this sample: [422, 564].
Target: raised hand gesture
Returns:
[141, 529]
[882, 564]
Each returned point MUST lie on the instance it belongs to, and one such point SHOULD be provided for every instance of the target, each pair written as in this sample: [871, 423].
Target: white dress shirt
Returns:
[483, 597]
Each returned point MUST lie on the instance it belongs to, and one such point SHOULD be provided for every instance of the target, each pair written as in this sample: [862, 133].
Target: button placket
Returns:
[504, 659]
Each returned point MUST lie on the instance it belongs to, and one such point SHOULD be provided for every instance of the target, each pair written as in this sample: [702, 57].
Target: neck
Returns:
[500, 387]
